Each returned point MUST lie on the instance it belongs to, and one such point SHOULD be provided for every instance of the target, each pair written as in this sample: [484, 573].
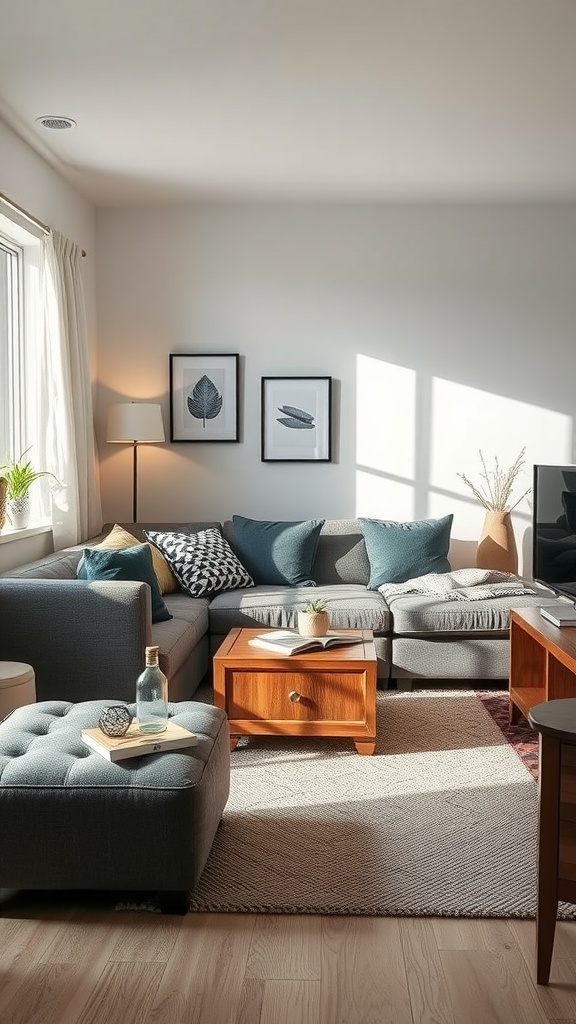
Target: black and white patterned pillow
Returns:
[203, 562]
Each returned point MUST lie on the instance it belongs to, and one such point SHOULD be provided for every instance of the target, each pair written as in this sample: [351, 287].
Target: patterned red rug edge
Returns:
[521, 737]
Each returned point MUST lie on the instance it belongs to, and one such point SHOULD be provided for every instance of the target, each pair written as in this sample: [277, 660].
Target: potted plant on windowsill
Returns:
[19, 475]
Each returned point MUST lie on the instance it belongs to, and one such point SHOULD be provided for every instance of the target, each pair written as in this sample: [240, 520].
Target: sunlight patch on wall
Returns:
[385, 439]
[416, 432]
[379, 497]
[386, 417]
[465, 420]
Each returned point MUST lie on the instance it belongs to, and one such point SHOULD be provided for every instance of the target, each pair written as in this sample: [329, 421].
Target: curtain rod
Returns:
[24, 213]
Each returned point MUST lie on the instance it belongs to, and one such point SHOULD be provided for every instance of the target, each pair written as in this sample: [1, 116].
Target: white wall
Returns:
[446, 329]
[37, 187]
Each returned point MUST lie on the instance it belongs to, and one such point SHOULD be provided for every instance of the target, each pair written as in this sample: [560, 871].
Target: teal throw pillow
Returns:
[401, 551]
[277, 553]
[133, 563]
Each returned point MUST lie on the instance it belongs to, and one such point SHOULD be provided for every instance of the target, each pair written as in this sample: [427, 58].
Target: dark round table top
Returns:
[555, 718]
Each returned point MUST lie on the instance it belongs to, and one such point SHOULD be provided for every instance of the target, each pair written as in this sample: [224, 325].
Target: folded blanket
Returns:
[460, 585]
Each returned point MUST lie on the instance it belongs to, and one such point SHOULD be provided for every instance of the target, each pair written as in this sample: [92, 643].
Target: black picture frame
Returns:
[204, 383]
[296, 419]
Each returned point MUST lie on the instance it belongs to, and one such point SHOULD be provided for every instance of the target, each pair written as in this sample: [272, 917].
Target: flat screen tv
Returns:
[554, 528]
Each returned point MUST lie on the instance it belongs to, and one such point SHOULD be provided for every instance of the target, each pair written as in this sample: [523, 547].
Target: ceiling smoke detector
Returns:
[55, 122]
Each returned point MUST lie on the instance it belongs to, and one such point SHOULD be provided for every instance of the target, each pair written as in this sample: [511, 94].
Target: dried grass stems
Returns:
[496, 491]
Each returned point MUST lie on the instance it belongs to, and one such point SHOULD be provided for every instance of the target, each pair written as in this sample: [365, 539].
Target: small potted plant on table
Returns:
[314, 620]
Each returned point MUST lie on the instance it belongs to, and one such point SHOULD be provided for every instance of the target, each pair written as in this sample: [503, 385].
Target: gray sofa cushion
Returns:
[137, 529]
[443, 658]
[341, 554]
[180, 635]
[59, 566]
[419, 614]
[349, 605]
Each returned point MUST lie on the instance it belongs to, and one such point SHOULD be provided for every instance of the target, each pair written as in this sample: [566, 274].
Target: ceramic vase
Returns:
[497, 545]
[313, 623]
[19, 512]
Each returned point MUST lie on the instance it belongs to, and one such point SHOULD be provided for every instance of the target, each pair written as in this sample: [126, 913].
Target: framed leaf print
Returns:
[296, 419]
[204, 397]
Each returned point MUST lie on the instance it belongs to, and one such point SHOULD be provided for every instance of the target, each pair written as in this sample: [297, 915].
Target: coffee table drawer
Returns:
[296, 696]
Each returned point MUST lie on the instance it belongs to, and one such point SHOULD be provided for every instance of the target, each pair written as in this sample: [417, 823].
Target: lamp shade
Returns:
[135, 422]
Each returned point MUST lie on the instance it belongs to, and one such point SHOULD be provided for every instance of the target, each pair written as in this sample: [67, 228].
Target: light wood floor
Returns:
[63, 961]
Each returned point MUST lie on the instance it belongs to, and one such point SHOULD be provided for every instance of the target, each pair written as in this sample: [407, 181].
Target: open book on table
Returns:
[285, 641]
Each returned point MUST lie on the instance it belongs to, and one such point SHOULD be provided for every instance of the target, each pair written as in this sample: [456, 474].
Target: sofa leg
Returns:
[405, 684]
[173, 902]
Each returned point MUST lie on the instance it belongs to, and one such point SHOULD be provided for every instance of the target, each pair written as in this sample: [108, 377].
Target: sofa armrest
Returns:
[85, 641]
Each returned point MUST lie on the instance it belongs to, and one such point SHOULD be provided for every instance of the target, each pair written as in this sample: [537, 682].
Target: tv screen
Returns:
[554, 528]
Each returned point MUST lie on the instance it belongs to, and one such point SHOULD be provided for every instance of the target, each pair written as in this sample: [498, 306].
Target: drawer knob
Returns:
[294, 696]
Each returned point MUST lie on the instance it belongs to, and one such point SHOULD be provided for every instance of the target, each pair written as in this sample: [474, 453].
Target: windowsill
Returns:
[30, 531]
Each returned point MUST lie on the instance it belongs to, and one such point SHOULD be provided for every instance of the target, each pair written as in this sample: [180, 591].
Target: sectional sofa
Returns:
[86, 638]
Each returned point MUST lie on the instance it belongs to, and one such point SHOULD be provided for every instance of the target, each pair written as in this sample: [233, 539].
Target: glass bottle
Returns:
[152, 695]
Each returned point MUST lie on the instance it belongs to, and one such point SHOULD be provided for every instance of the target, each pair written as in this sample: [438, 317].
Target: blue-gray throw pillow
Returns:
[277, 553]
[401, 551]
[133, 563]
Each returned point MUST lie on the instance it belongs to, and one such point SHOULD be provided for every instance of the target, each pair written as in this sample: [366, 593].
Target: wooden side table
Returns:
[555, 721]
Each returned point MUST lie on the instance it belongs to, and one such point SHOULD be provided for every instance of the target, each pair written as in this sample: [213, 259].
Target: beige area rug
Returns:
[441, 820]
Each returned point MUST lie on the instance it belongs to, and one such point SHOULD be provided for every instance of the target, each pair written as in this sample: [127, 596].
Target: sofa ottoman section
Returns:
[438, 638]
[73, 820]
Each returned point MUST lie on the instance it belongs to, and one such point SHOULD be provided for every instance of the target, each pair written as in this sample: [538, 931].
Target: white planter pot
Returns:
[313, 623]
[18, 510]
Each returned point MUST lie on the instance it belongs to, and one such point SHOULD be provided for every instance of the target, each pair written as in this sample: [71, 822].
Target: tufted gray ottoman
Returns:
[70, 819]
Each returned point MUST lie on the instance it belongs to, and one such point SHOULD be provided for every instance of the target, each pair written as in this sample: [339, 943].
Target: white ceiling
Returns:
[309, 99]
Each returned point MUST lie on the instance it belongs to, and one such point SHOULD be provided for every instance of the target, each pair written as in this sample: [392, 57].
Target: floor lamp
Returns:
[135, 423]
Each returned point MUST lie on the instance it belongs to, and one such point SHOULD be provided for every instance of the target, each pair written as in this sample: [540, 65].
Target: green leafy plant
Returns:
[495, 493]
[318, 605]
[19, 475]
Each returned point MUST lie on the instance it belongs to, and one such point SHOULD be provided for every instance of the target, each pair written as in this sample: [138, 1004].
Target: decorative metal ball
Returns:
[114, 720]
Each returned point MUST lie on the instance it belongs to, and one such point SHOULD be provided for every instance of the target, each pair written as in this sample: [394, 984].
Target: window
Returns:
[10, 289]
[21, 338]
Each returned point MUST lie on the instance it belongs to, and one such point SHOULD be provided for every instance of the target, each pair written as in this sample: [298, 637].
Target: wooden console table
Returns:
[542, 661]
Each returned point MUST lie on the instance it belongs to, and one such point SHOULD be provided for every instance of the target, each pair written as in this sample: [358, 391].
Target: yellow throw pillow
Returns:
[120, 538]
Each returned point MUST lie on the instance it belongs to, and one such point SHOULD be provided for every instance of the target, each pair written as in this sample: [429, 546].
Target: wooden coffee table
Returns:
[323, 693]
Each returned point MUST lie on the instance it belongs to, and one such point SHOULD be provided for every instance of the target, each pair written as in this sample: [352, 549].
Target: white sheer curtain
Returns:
[67, 445]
